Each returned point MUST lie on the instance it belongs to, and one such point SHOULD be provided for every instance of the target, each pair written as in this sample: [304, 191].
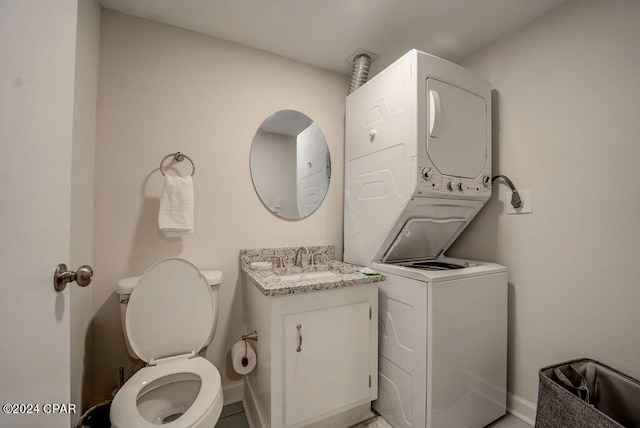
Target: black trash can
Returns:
[585, 393]
[96, 417]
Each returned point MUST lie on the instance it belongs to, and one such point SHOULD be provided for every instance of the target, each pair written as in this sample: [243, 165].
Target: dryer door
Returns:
[456, 130]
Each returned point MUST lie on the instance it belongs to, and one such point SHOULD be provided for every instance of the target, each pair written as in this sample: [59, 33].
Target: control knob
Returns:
[460, 187]
[427, 173]
[450, 186]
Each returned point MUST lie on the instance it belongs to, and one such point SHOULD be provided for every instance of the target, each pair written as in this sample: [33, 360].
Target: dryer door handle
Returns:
[435, 113]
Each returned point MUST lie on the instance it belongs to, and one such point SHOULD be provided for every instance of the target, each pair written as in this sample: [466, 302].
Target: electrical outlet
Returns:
[526, 208]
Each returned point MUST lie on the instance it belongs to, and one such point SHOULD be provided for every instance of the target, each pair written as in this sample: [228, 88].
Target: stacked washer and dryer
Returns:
[417, 171]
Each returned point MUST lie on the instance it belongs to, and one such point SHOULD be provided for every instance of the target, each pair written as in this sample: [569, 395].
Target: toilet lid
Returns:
[170, 311]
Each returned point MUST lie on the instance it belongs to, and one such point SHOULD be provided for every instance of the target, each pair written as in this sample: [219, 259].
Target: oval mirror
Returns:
[290, 164]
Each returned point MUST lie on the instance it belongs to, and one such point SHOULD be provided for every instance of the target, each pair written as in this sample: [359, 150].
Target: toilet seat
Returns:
[170, 312]
[124, 409]
[169, 319]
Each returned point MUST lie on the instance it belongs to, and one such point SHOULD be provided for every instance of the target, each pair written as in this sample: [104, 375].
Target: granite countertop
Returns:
[270, 284]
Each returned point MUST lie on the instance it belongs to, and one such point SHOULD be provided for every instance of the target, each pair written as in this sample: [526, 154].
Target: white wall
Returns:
[566, 126]
[273, 172]
[82, 167]
[164, 89]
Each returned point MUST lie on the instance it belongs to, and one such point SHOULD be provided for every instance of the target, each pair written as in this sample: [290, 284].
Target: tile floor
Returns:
[507, 421]
[233, 417]
[374, 423]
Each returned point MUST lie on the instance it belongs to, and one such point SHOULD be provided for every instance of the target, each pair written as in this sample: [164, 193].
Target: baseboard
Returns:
[522, 409]
[255, 418]
[347, 418]
[233, 392]
[517, 406]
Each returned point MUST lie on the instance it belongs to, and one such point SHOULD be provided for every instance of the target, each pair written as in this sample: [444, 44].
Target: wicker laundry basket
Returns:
[585, 393]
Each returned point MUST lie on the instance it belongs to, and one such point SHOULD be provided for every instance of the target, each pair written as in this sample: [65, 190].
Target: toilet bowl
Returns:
[170, 315]
[172, 393]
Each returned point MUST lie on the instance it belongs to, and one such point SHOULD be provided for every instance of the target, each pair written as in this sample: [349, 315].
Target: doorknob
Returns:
[61, 276]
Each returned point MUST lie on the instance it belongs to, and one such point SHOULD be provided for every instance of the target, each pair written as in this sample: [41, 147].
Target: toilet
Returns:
[168, 315]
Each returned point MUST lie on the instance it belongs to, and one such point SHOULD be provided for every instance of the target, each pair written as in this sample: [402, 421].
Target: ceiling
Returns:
[325, 33]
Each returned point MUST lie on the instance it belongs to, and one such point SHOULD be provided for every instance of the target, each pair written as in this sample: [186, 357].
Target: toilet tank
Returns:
[125, 286]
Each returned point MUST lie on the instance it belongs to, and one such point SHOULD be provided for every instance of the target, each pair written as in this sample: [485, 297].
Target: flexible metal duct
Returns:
[360, 71]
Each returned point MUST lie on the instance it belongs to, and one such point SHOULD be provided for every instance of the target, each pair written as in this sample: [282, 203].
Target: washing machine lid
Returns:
[424, 238]
[170, 311]
[426, 228]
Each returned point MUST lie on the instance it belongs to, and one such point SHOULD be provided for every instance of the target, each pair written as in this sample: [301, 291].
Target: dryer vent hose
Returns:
[360, 71]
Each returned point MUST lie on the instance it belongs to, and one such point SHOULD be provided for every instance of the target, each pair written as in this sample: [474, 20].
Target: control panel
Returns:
[430, 182]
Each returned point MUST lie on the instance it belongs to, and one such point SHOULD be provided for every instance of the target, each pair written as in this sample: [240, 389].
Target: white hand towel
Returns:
[176, 206]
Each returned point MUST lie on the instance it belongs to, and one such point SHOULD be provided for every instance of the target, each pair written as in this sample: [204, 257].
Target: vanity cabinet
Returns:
[316, 357]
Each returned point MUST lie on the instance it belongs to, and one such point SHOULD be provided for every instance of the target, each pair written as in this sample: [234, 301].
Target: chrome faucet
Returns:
[298, 260]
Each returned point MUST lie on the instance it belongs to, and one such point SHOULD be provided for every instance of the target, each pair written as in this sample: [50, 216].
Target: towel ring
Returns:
[178, 157]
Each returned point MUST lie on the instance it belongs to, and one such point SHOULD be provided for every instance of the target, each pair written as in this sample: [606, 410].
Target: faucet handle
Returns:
[313, 258]
[279, 259]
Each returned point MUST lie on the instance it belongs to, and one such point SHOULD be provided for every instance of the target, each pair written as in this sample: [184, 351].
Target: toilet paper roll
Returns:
[237, 356]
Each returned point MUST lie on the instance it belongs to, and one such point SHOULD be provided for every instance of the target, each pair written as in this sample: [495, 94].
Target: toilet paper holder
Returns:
[251, 336]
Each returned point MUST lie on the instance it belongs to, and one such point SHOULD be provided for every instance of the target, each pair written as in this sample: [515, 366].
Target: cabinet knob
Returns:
[299, 328]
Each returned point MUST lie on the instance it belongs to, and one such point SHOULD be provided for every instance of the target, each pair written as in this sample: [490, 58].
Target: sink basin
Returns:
[308, 275]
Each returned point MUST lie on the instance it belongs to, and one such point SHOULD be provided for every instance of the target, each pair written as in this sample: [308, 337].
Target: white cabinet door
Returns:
[326, 360]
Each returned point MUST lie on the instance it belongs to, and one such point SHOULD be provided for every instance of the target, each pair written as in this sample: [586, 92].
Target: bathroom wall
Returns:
[566, 109]
[82, 165]
[278, 155]
[162, 89]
